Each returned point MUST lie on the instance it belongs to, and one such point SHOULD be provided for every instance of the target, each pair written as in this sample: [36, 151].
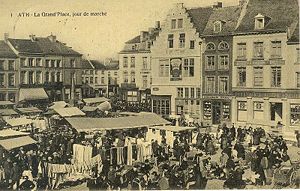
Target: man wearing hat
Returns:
[7, 165]
[16, 174]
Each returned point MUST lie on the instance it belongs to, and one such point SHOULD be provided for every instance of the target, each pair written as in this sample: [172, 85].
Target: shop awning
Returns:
[13, 143]
[91, 124]
[11, 133]
[173, 128]
[58, 104]
[69, 112]
[28, 94]
[6, 103]
[27, 110]
[95, 100]
[14, 122]
[8, 112]
[89, 109]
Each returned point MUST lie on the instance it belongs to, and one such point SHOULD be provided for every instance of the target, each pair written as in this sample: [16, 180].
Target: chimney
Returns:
[151, 30]
[157, 24]
[143, 36]
[6, 36]
[179, 5]
[32, 37]
[242, 2]
[217, 5]
[52, 38]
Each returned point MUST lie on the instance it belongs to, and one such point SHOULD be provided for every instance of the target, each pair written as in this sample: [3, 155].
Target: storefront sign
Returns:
[217, 97]
[176, 69]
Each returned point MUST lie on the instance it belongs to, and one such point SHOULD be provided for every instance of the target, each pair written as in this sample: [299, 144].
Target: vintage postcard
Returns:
[149, 95]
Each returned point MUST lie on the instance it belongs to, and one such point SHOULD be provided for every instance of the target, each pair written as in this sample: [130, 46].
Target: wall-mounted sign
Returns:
[176, 69]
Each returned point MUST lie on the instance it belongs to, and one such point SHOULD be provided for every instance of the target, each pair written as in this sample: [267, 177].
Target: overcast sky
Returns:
[96, 37]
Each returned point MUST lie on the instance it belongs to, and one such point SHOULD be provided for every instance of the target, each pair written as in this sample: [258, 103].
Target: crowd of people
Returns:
[186, 164]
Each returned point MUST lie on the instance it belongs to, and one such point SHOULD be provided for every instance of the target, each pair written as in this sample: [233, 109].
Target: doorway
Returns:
[179, 109]
[216, 113]
[276, 112]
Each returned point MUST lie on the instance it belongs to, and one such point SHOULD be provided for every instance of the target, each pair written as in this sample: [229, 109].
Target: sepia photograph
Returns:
[149, 95]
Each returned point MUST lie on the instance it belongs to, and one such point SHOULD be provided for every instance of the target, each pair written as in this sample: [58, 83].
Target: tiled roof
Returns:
[199, 17]
[113, 65]
[85, 64]
[97, 64]
[5, 51]
[136, 39]
[56, 47]
[25, 46]
[227, 15]
[42, 45]
[281, 14]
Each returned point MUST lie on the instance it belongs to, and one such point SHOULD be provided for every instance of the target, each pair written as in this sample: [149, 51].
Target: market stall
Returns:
[95, 101]
[12, 143]
[69, 112]
[22, 122]
[169, 133]
[9, 133]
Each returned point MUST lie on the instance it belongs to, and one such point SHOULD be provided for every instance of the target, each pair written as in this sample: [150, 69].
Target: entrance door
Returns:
[276, 112]
[216, 113]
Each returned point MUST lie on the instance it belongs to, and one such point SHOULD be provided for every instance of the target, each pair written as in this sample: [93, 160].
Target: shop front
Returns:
[161, 105]
[216, 111]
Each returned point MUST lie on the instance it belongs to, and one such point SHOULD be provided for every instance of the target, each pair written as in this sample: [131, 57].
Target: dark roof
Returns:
[42, 45]
[280, 14]
[97, 64]
[55, 47]
[199, 17]
[5, 51]
[294, 34]
[113, 65]
[85, 64]
[227, 15]
[136, 39]
[25, 46]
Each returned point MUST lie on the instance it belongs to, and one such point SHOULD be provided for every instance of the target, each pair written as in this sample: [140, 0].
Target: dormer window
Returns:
[218, 26]
[259, 21]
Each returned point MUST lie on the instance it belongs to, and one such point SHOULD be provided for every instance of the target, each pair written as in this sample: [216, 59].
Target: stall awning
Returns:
[89, 109]
[14, 122]
[91, 124]
[28, 94]
[8, 112]
[105, 106]
[173, 128]
[58, 104]
[6, 103]
[27, 110]
[13, 143]
[11, 133]
[95, 100]
[69, 112]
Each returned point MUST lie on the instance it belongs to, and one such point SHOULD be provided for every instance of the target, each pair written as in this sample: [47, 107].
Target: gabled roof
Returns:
[280, 13]
[25, 46]
[85, 64]
[229, 17]
[56, 47]
[5, 51]
[199, 17]
[97, 64]
[136, 39]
